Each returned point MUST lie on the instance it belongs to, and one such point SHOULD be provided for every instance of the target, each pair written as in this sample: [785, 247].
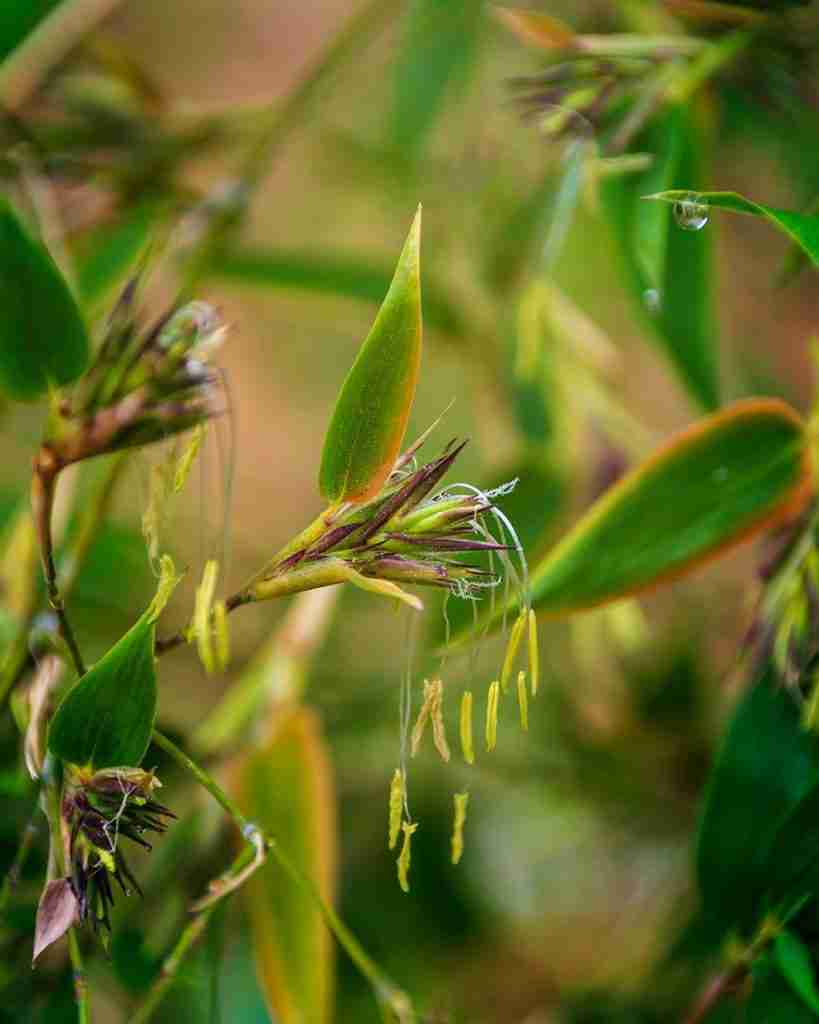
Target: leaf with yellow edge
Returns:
[371, 413]
[540, 30]
[714, 485]
[286, 789]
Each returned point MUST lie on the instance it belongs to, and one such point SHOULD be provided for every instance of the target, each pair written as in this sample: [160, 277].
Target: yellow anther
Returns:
[492, 715]
[512, 650]
[404, 856]
[534, 653]
[466, 727]
[396, 805]
[461, 803]
[431, 709]
[202, 614]
[186, 459]
[221, 636]
[523, 701]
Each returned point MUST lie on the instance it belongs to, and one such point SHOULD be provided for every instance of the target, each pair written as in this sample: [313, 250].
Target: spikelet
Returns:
[461, 802]
[534, 653]
[404, 857]
[523, 702]
[466, 727]
[396, 805]
[492, 715]
[512, 650]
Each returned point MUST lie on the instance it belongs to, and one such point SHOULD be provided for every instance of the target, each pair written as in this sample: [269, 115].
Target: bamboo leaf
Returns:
[286, 788]
[107, 719]
[370, 417]
[720, 482]
[795, 963]
[18, 19]
[668, 270]
[335, 274]
[801, 228]
[107, 254]
[438, 50]
[43, 340]
[765, 768]
[773, 1001]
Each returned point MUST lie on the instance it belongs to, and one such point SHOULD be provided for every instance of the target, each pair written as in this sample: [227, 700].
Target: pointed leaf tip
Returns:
[370, 418]
[56, 913]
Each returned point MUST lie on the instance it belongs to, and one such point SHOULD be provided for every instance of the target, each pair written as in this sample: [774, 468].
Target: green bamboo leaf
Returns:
[796, 966]
[792, 861]
[107, 719]
[371, 413]
[336, 274]
[773, 1001]
[439, 47]
[801, 228]
[17, 20]
[668, 271]
[766, 766]
[717, 483]
[286, 788]
[43, 340]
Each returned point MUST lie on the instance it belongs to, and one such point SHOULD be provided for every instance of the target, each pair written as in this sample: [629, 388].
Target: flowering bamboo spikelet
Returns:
[512, 650]
[396, 806]
[405, 855]
[492, 698]
[221, 636]
[461, 801]
[202, 616]
[466, 727]
[523, 701]
[534, 653]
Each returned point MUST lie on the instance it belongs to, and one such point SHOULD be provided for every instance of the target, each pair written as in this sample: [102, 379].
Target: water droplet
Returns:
[691, 213]
[652, 300]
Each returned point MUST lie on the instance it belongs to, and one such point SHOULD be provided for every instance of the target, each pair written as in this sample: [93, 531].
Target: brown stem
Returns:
[712, 992]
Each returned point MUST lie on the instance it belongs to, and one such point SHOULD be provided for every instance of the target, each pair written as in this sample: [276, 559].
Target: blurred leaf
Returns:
[792, 860]
[772, 999]
[540, 30]
[796, 965]
[107, 719]
[341, 275]
[668, 270]
[801, 228]
[286, 788]
[107, 254]
[17, 19]
[766, 766]
[717, 483]
[43, 340]
[438, 48]
[371, 413]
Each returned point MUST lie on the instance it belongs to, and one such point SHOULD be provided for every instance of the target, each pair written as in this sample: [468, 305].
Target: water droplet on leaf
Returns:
[652, 300]
[691, 213]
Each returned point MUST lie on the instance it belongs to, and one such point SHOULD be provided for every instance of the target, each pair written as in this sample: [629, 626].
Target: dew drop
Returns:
[652, 300]
[691, 213]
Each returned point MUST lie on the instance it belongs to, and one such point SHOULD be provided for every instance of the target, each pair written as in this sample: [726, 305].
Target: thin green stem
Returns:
[20, 858]
[191, 934]
[82, 996]
[203, 777]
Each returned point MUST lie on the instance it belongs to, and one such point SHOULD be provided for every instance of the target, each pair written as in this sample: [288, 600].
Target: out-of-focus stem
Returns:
[50, 41]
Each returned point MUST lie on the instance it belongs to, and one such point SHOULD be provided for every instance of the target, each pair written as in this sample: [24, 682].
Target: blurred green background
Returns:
[577, 874]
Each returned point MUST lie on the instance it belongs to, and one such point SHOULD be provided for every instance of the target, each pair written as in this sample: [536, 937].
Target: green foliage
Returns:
[43, 340]
[768, 763]
[669, 271]
[773, 1000]
[371, 413]
[18, 19]
[438, 49]
[109, 252]
[794, 961]
[801, 228]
